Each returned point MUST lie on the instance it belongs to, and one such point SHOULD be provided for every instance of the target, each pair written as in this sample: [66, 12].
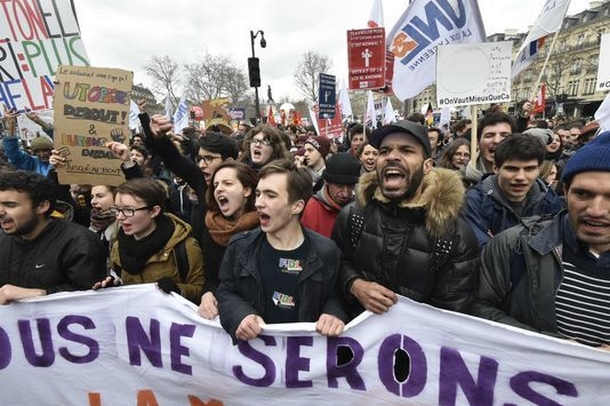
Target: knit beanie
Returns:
[593, 156]
[342, 168]
[320, 143]
[544, 135]
[41, 142]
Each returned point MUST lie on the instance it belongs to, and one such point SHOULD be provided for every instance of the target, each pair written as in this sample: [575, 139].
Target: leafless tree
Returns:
[165, 73]
[214, 77]
[306, 77]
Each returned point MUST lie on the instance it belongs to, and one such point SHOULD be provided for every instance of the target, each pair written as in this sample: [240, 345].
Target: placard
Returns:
[36, 37]
[468, 74]
[92, 108]
[366, 58]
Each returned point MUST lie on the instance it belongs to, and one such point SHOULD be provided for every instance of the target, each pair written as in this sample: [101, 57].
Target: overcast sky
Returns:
[124, 34]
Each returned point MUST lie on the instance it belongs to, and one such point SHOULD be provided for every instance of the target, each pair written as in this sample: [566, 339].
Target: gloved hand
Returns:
[167, 285]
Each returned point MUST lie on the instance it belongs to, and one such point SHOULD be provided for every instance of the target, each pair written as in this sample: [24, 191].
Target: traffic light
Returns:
[254, 72]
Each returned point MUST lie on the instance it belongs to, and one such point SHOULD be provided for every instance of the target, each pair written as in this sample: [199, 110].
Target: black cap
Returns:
[342, 168]
[403, 126]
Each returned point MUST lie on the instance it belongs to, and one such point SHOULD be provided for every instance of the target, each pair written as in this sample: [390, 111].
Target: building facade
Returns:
[571, 72]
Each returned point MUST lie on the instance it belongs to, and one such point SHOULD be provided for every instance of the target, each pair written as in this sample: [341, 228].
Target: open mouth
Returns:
[257, 153]
[393, 177]
[6, 223]
[595, 225]
[223, 203]
[264, 219]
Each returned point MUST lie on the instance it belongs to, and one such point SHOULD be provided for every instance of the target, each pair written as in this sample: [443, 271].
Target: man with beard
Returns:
[514, 192]
[553, 276]
[40, 255]
[403, 234]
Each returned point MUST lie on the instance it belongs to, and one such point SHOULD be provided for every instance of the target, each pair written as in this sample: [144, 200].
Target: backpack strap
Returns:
[182, 260]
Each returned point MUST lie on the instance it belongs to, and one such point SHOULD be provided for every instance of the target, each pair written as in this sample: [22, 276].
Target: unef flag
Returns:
[424, 25]
[549, 21]
[540, 103]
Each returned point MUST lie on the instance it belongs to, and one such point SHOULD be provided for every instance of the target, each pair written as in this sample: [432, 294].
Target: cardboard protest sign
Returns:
[468, 74]
[36, 37]
[91, 109]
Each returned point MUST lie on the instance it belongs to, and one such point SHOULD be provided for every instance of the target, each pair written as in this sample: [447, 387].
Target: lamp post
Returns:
[254, 70]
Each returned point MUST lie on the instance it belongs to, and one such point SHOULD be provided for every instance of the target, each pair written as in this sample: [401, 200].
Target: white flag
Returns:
[388, 115]
[168, 107]
[445, 116]
[181, 117]
[134, 111]
[602, 115]
[314, 120]
[376, 15]
[370, 118]
[423, 26]
[344, 103]
[549, 21]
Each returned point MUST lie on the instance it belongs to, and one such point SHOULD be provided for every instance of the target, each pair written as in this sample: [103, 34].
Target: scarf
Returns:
[134, 254]
[100, 220]
[222, 229]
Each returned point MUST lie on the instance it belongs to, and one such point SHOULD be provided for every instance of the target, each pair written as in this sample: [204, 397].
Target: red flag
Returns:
[540, 102]
[270, 118]
[297, 120]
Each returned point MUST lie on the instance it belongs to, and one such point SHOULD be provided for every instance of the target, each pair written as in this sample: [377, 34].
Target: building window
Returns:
[589, 86]
[573, 88]
[576, 67]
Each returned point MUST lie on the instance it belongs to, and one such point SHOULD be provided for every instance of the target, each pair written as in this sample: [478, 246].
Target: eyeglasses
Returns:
[127, 212]
[264, 142]
[208, 159]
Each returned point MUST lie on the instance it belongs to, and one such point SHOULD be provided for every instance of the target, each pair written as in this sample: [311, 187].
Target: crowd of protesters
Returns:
[275, 225]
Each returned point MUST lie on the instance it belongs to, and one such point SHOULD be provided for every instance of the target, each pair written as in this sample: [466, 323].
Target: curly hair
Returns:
[38, 188]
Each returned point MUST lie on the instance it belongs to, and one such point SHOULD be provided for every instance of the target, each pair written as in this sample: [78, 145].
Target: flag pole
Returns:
[546, 61]
[474, 117]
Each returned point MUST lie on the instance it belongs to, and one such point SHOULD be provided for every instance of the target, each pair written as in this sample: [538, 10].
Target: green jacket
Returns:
[164, 263]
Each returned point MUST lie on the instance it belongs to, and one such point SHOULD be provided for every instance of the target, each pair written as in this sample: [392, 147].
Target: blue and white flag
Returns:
[181, 116]
[414, 38]
[549, 21]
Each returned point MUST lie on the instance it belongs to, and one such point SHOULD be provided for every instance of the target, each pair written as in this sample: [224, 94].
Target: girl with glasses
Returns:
[147, 245]
[263, 145]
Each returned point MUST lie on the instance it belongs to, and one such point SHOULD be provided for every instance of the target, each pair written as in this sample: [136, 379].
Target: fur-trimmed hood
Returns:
[442, 197]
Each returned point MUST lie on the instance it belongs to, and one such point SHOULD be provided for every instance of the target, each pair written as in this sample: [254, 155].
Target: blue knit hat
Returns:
[593, 156]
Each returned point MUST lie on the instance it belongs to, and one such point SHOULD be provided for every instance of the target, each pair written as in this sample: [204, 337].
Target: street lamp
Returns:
[254, 70]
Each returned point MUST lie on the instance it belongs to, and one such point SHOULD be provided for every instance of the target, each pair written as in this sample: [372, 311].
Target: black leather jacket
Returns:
[423, 251]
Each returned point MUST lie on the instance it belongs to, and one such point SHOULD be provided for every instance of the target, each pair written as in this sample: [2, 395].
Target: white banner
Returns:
[35, 38]
[138, 346]
[424, 25]
[603, 70]
[468, 74]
